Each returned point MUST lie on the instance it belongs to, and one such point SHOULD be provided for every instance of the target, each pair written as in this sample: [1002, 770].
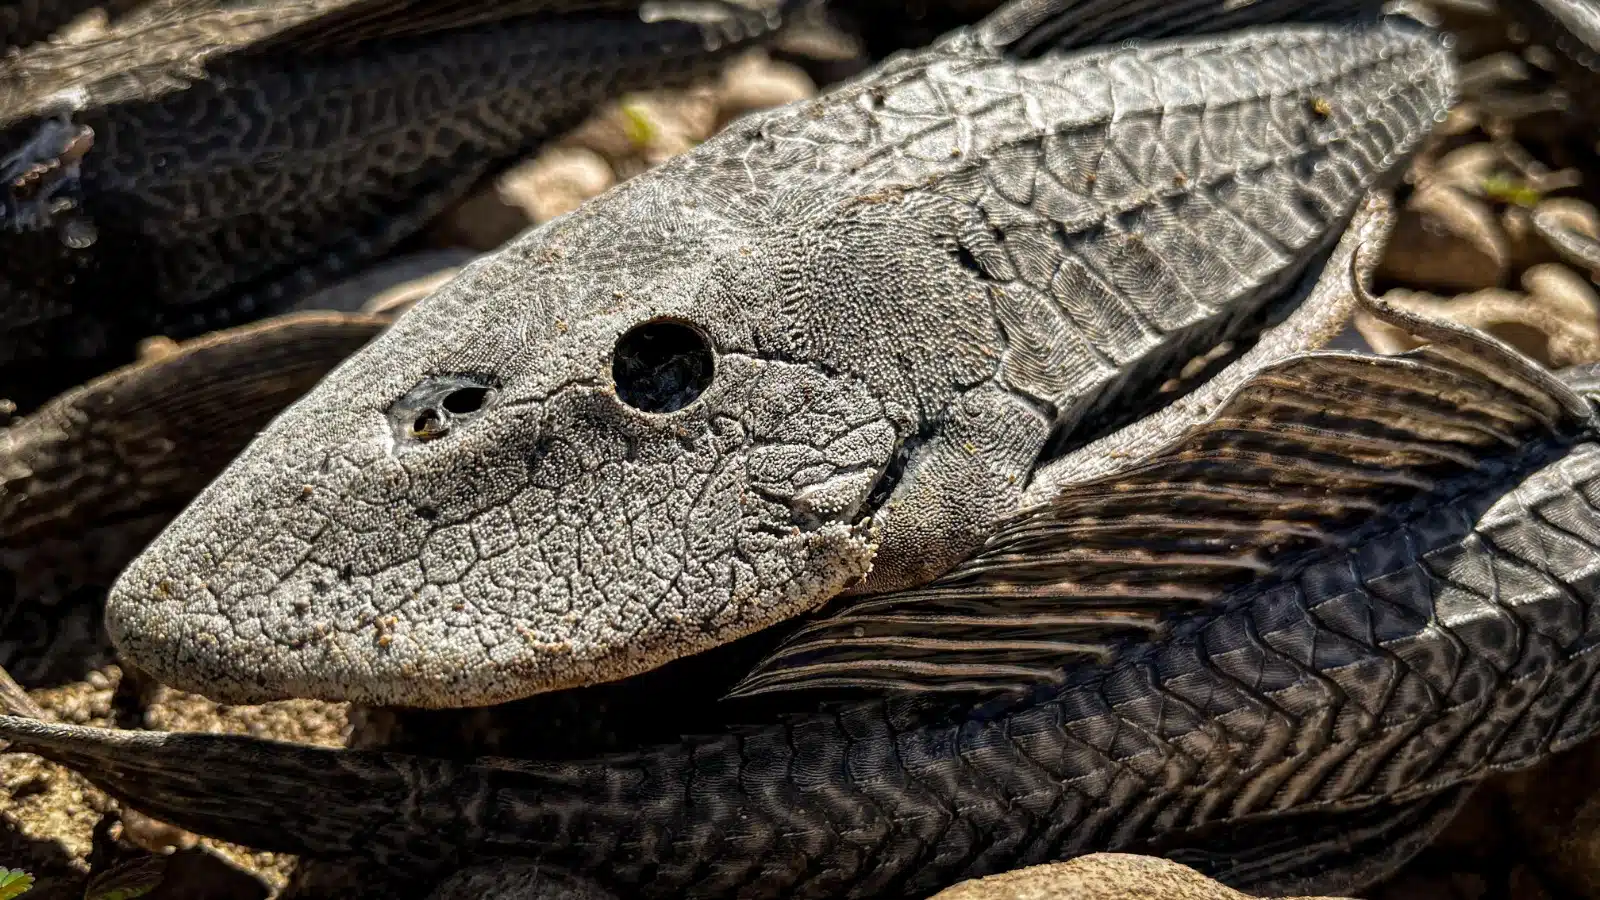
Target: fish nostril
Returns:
[439, 405]
[466, 401]
[428, 425]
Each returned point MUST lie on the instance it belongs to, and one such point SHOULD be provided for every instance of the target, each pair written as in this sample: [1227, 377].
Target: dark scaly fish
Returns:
[202, 164]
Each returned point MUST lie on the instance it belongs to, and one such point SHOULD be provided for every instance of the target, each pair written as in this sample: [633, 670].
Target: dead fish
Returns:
[1276, 631]
[825, 353]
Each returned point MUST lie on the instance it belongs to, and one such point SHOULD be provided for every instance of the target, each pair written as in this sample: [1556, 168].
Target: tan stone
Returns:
[1447, 240]
[1098, 876]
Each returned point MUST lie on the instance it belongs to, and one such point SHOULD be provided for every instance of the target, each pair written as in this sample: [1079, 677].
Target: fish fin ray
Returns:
[1032, 27]
[1299, 455]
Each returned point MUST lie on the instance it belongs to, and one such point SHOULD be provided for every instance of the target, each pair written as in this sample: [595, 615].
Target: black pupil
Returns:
[660, 366]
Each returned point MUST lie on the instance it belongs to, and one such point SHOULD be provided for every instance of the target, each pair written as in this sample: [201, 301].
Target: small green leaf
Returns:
[637, 125]
[1510, 190]
[14, 883]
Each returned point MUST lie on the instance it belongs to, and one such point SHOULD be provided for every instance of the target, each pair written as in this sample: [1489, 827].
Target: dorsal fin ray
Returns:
[349, 27]
[1031, 27]
[1303, 450]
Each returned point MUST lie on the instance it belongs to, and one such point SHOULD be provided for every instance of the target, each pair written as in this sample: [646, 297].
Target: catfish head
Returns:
[670, 419]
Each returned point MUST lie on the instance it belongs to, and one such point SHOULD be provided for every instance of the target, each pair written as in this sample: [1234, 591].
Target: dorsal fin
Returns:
[1031, 27]
[349, 27]
[1297, 455]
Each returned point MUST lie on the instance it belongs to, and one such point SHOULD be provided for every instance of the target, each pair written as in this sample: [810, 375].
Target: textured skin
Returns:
[90, 477]
[1449, 636]
[913, 286]
[216, 191]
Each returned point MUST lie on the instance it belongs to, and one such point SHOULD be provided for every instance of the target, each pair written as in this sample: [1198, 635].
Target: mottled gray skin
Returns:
[202, 165]
[949, 264]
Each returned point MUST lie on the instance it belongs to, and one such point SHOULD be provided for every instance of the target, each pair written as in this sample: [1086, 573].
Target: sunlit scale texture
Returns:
[901, 323]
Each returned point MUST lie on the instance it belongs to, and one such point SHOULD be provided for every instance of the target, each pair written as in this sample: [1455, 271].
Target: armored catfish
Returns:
[1364, 583]
[818, 356]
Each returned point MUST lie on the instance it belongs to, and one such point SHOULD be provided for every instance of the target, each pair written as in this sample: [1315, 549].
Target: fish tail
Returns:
[271, 795]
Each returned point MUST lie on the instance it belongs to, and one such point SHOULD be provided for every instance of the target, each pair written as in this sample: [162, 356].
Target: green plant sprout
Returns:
[14, 883]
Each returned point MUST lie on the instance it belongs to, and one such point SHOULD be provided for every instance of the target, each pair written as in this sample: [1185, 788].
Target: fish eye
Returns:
[661, 366]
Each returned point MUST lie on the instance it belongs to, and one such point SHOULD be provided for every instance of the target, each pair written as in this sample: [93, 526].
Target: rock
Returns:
[556, 182]
[1557, 320]
[1466, 168]
[482, 221]
[645, 130]
[157, 347]
[536, 191]
[48, 814]
[756, 82]
[1445, 239]
[297, 721]
[1528, 247]
[1490, 72]
[814, 41]
[1568, 313]
[1098, 876]
[620, 140]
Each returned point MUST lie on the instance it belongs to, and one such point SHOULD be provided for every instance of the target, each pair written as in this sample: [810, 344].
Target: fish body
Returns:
[820, 355]
[198, 165]
[1378, 577]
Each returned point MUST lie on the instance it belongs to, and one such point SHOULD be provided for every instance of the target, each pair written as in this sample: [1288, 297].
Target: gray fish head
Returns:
[612, 444]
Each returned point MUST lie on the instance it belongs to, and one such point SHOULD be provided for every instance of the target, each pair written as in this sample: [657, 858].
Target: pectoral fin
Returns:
[1305, 450]
[268, 795]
